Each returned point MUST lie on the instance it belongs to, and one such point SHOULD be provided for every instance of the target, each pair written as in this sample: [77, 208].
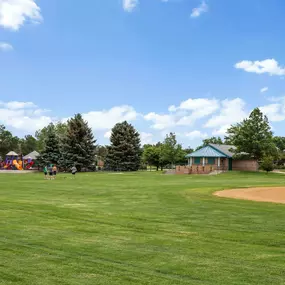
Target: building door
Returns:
[230, 164]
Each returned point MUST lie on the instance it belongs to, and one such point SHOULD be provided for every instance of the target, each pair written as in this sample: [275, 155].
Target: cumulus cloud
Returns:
[199, 108]
[203, 8]
[14, 13]
[270, 66]
[276, 111]
[5, 47]
[17, 105]
[130, 5]
[196, 135]
[24, 116]
[106, 119]
[160, 122]
[146, 138]
[231, 112]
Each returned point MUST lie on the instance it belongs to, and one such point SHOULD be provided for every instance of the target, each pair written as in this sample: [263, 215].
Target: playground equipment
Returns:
[13, 162]
[18, 162]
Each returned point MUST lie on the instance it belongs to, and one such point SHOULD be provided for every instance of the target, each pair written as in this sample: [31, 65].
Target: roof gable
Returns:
[33, 155]
[224, 148]
[207, 151]
[12, 153]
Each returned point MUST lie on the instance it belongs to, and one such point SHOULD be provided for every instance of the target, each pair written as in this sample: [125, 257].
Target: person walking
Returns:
[50, 172]
[45, 171]
[54, 171]
[73, 171]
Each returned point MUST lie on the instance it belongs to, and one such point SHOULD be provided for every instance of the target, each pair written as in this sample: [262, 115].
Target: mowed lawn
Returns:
[139, 228]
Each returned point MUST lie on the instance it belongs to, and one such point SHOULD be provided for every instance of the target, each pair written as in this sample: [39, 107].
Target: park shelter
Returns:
[12, 153]
[214, 157]
[33, 155]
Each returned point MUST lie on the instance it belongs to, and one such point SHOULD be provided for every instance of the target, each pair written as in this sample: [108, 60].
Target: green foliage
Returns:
[253, 136]
[51, 152]
[41, 135]
[78, 144]
[124, 153]
[8, 142]
[267, 164]
[212, 140]
[151, 155]
[280, 143]
[171, 151]
[28, 144]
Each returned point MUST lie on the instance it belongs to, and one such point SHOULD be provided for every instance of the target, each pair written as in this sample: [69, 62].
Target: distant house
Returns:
[215, 157]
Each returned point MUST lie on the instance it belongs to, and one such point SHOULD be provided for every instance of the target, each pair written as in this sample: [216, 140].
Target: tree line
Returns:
[73, 143]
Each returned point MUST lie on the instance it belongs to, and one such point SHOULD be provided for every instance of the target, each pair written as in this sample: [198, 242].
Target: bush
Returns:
[267, 164]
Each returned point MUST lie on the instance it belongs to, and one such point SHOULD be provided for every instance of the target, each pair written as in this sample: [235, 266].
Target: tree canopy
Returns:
[51, 153]
[253, 136]
[124, 153]
[78, 144]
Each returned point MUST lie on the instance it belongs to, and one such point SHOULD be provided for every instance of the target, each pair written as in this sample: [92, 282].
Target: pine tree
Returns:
[51, 152]
[78, 145]
[124, 153]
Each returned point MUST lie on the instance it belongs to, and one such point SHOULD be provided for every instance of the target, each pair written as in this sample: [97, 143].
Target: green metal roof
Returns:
[207, 151]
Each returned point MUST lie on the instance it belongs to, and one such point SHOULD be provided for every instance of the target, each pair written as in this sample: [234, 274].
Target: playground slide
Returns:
[18, 165]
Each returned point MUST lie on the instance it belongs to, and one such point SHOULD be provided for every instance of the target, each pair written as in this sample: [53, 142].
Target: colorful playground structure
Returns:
[15, 161]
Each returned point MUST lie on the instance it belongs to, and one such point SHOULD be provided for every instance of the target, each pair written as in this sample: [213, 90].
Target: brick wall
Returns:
[245, 165]
[195, 169]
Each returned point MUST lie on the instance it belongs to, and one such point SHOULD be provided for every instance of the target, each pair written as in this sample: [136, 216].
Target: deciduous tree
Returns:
[253, 136]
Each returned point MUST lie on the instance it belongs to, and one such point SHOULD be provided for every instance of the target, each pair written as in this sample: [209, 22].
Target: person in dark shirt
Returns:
[73, 170]
[45, 172]
[50, 172]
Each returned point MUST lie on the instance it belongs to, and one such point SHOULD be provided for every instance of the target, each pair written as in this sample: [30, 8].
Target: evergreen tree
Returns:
[253, 136]
[124, 153]
[51, 152]
[78, 145]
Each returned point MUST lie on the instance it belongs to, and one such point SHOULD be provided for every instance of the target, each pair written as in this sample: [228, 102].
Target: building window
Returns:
[211, 160]
[197, 160]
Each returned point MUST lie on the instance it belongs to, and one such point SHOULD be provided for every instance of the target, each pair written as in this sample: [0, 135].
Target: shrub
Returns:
[267, 164]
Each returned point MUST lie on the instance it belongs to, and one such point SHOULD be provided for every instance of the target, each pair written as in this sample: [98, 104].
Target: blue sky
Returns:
[189, 66]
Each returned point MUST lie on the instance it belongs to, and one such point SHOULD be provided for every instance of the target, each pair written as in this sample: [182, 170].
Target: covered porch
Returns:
[206, 160]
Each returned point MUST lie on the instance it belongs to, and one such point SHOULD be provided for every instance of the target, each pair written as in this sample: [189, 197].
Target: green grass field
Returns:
[143, 228]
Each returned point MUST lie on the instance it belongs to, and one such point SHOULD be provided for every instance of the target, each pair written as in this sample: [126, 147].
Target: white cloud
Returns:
[196, 135]
[107, 135]
[146, 138]
[270, 66]
[130, 5]
[275, 112]
[264, 89]
[106, 119]
[231, 112]
[5, 47]
[14, 13]
[199, 108]
[13, 105]
[24, 116]
[185, 114]
[160, 121]
[203, 8]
